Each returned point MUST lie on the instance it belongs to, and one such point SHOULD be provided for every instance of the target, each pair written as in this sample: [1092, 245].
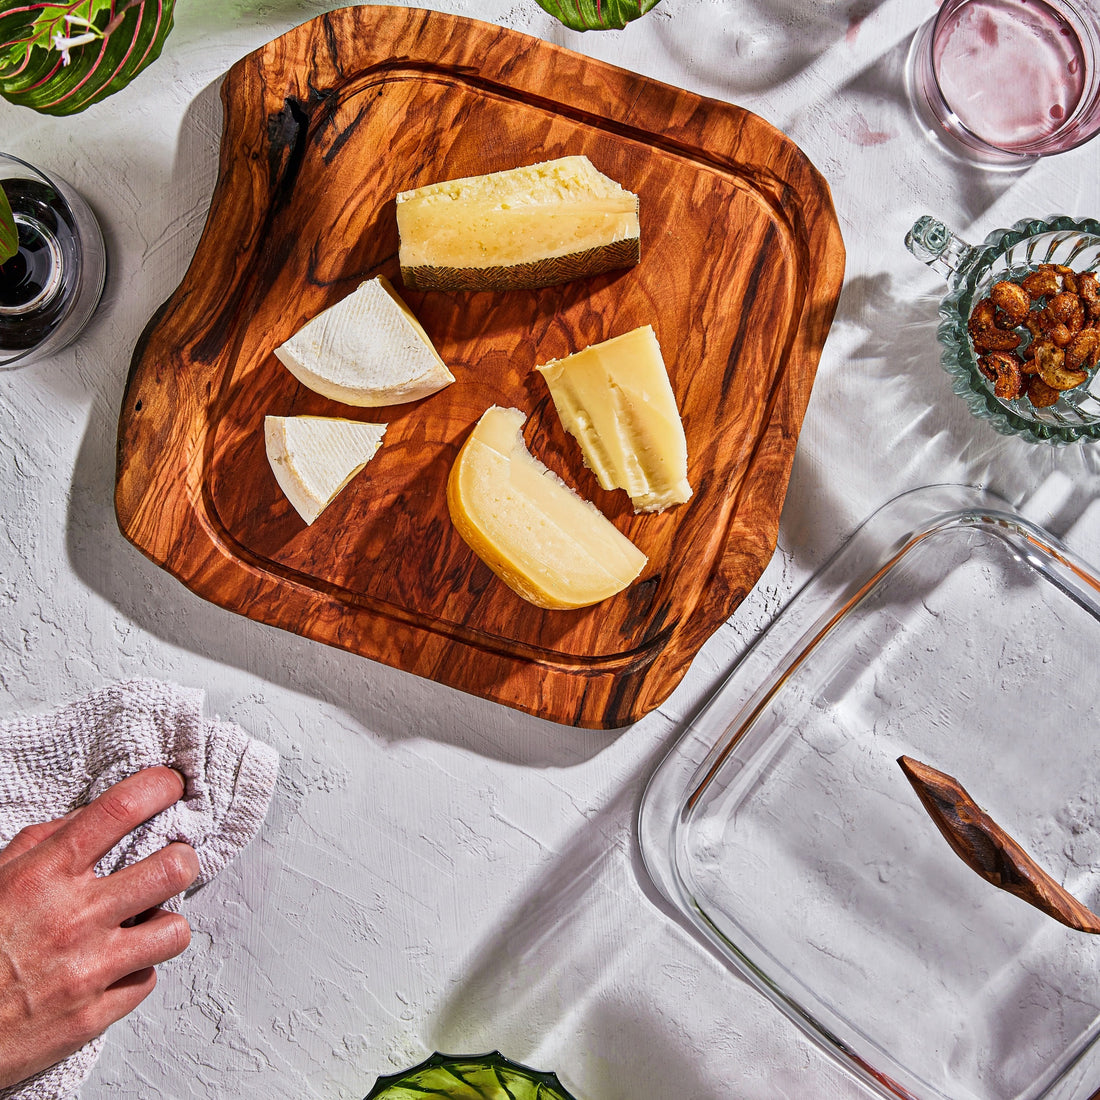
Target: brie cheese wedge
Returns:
[367, 350]
[542, 539]
[314, 457]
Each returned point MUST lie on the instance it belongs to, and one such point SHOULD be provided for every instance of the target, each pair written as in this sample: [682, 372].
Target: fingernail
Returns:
[183, 778]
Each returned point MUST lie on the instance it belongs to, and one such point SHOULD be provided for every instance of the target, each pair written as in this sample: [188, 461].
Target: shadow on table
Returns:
[600, 979]
[755, 45]
[927, 165]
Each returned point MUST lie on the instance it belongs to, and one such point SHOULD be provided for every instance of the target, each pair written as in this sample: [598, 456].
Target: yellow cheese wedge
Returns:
[616, 400]
[525, 227]
[367, 350]
[314, 457]
[546, 543]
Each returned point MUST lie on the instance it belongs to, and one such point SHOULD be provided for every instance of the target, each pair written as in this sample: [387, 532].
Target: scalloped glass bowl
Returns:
[970, 271]
[469, 1077]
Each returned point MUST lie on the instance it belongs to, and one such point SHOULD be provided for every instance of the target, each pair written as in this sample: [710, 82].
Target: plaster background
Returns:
[438, 872]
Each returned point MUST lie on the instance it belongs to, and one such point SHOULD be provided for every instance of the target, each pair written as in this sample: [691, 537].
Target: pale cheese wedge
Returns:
[314, 457]
[367, 350]
[524, 227]
[616, 400]
[545, 542]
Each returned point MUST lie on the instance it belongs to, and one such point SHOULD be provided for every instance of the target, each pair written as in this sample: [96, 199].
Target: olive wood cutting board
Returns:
[741, 267]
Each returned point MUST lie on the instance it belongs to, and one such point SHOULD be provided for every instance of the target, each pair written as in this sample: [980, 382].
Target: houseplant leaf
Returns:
[9, 232]
[597, 15]
[107, 43]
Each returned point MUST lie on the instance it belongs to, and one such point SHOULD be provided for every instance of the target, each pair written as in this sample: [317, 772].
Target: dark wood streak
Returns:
[312, 156]
[763, 258]
[987, 849]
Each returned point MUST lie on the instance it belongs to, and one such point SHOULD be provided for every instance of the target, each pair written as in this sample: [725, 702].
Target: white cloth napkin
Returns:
[51, 763]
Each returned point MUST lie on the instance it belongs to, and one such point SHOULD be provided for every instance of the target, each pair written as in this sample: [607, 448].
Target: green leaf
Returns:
[9, 233]
[597, 15]
[125, 37]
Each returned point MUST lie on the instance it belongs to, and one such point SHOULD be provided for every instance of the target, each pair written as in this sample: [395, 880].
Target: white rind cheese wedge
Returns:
[367, 350]
[314, 457]
[616, 400]
[525, 227]
[545, 542]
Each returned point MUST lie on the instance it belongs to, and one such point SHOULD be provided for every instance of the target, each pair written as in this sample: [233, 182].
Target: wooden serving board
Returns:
[741, 267]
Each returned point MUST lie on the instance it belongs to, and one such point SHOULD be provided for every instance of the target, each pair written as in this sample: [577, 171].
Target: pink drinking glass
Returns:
[1004, 82]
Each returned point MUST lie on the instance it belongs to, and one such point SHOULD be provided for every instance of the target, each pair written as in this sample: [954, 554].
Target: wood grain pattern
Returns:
[741, 267]
[989, 851]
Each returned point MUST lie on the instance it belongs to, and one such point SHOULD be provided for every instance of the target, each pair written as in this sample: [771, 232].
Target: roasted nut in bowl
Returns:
[1020, 324]
[469, 1077]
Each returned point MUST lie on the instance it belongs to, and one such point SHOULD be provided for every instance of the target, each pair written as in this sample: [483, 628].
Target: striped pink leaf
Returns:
[59, 58]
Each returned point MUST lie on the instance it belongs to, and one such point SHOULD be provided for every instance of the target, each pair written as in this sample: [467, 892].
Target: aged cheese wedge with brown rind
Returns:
[314, 457]
[524, 227]
[545, 542]
[616, 400]
[367, 350]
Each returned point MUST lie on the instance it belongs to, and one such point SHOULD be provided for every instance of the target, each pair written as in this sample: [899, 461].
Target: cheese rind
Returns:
[314, 457]
[525, 227]
[545, 542]
[616, 400]
[367, 350]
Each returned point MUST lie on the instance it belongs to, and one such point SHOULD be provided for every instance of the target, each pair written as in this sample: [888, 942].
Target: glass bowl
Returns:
[469, 1077]
[51, 287]
[783, 831]
[970, 272]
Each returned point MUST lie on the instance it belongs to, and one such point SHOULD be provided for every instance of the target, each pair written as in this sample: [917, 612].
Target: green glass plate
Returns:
[469, 1077]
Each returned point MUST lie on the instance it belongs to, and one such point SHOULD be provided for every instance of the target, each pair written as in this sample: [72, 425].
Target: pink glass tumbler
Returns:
[1004, 82]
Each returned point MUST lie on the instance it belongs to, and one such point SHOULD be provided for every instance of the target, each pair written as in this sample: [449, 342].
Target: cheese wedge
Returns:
[367, 350]
[314, 457]
[546, 543]
[616, 400]
[525, 227]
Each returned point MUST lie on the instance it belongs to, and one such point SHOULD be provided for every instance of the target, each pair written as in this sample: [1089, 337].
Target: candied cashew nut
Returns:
[1088, 288]
[982, 317]
[1041, 283]
[1012, 300]
[1005, 374]
[1067, 274]
[985, 332]
[996, 339]
[1083, 351]
[1041, 341]
[1059, 334]
[1040, 394]
[1053, 371]
[1065, 309]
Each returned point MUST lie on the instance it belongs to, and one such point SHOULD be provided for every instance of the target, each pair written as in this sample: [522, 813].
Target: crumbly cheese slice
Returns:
[545, 542]
[367, 350]
[616, 400]
[314, 457]
[525, 227]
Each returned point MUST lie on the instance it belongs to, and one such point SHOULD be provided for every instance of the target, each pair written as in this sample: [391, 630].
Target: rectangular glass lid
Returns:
[783, 829]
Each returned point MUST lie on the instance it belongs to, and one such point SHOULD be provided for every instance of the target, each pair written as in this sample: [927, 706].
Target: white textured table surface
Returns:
[438, 872]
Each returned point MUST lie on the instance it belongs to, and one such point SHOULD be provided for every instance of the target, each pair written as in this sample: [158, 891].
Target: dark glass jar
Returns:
[50, 288]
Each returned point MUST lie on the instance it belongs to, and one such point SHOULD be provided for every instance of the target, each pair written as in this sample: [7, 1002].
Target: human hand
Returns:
[68, 967]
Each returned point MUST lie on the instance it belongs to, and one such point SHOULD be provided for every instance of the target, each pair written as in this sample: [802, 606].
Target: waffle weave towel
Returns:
[53, 762]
